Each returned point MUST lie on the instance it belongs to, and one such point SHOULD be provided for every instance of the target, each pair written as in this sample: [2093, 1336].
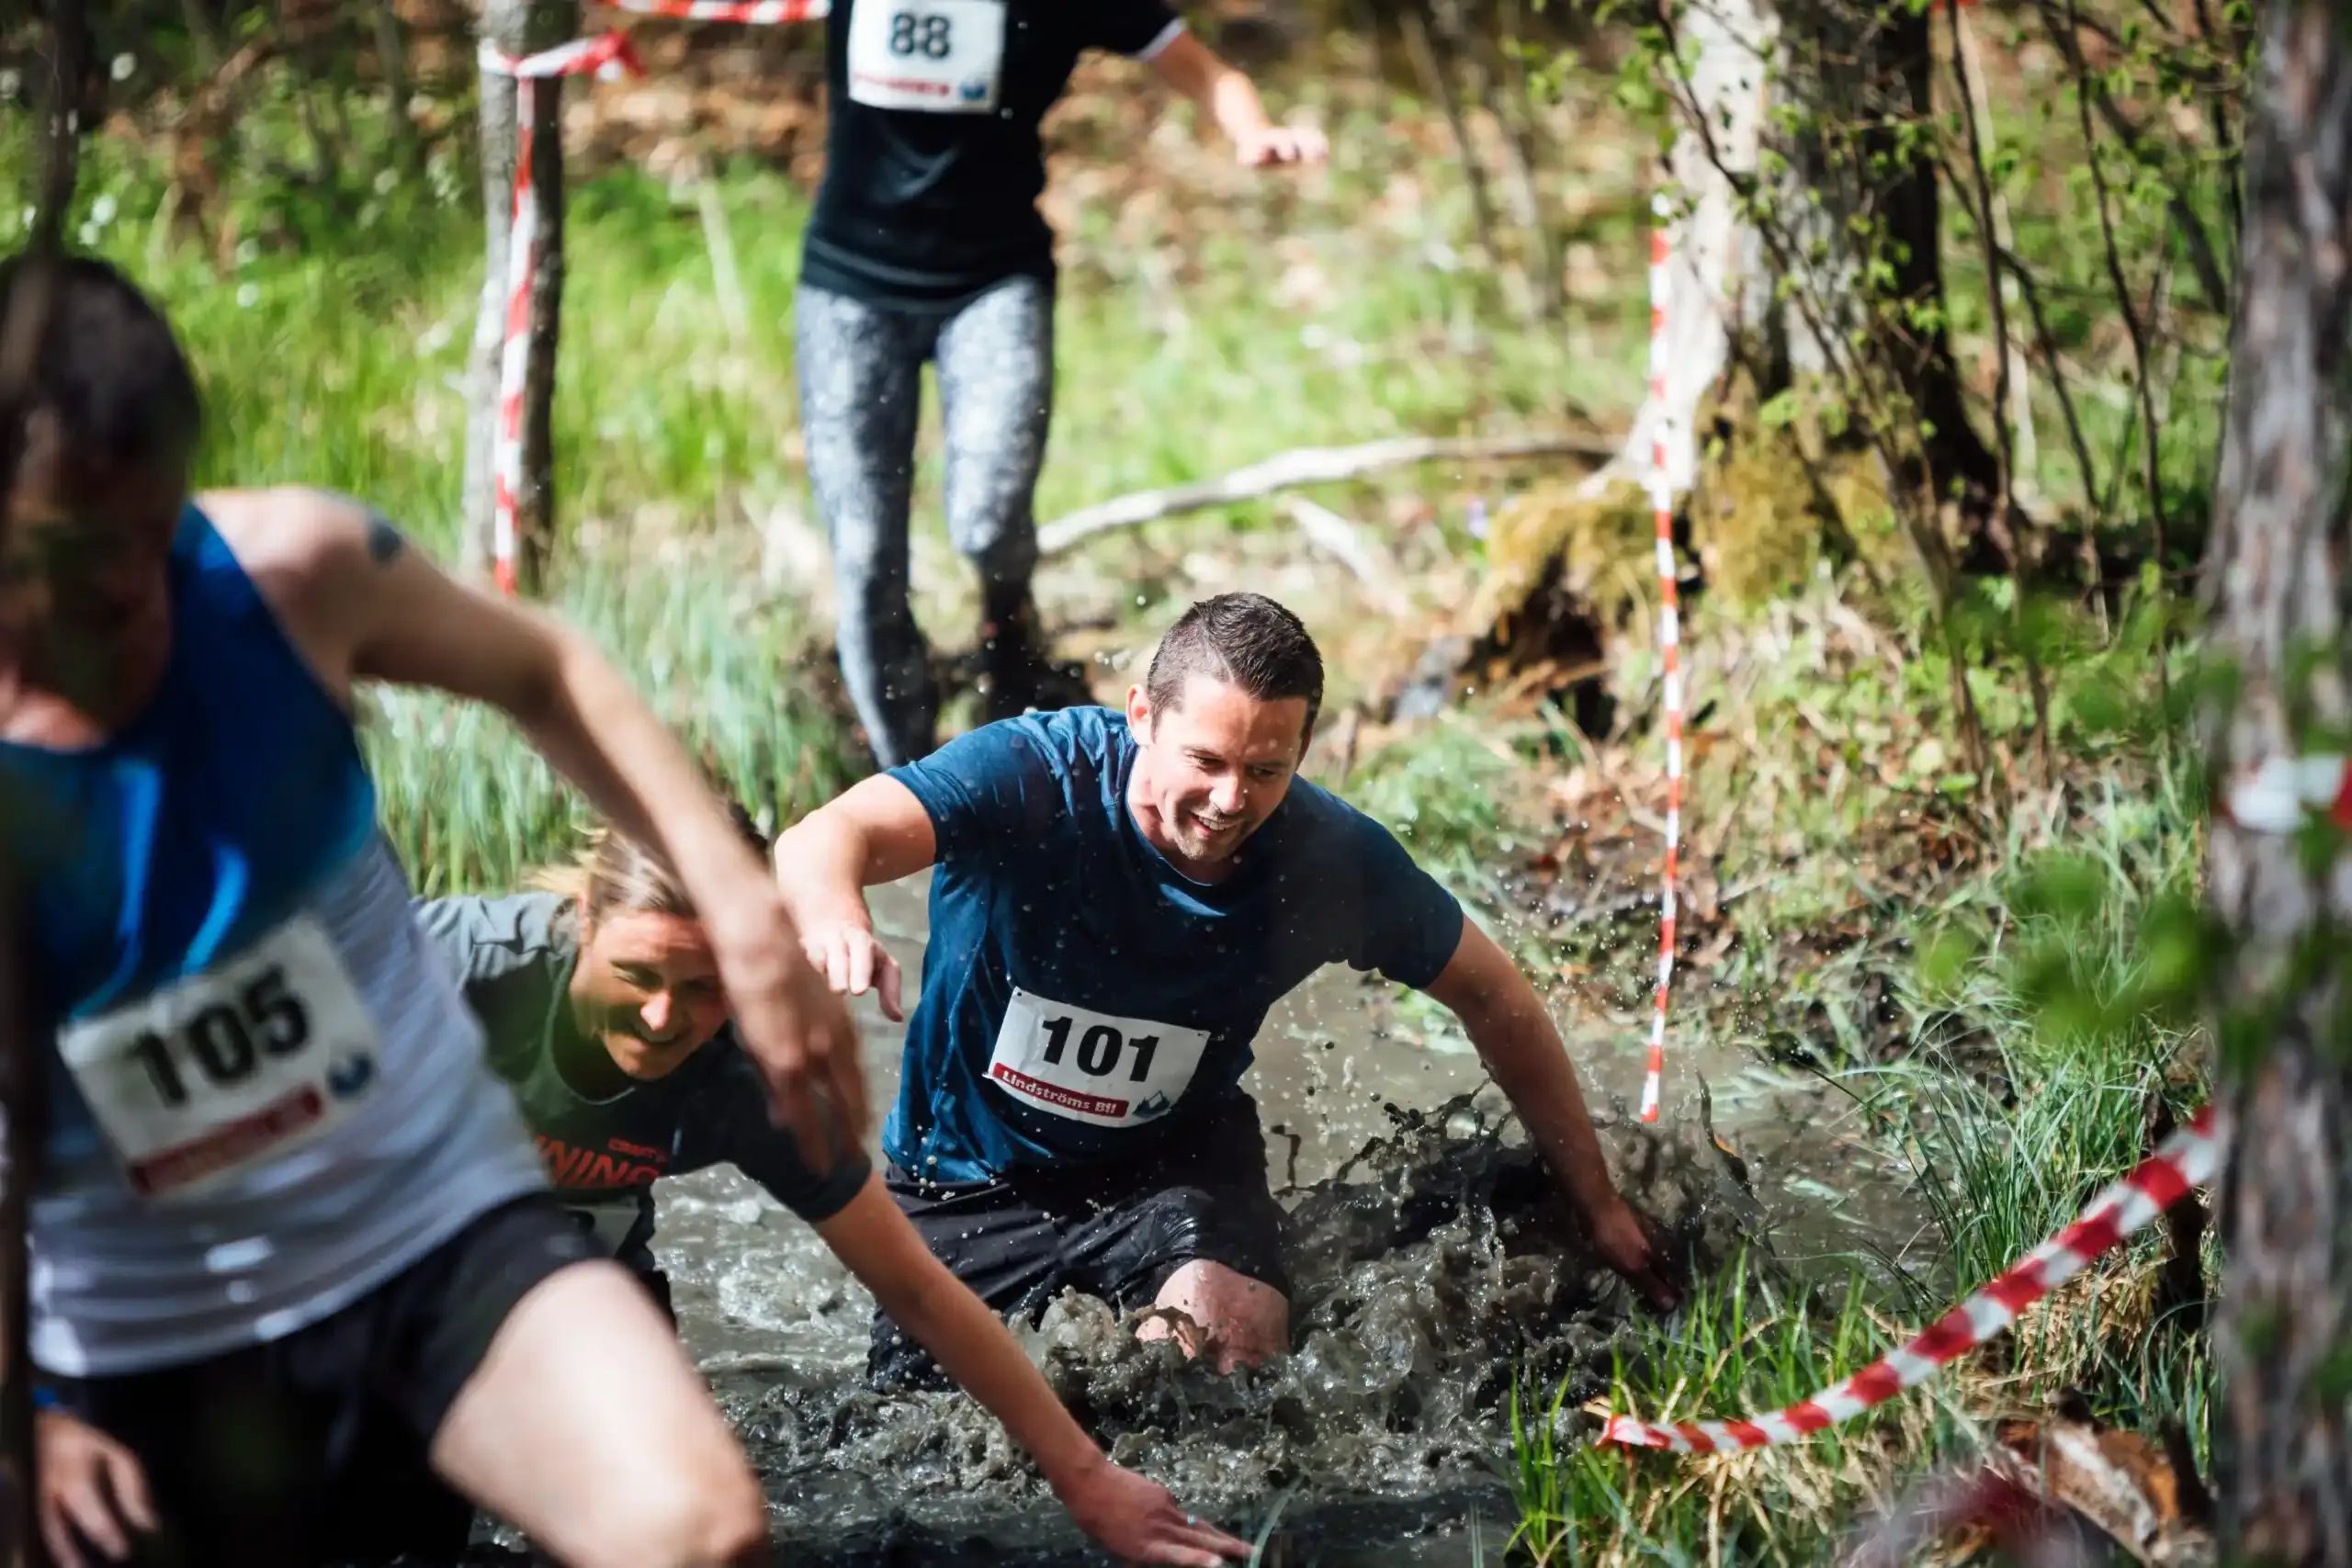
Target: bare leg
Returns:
[1242, 1323]
[588, 1429]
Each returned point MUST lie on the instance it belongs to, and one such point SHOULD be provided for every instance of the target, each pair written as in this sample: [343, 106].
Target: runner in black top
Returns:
[926, 243]
[601, 1010]
[601, 1005]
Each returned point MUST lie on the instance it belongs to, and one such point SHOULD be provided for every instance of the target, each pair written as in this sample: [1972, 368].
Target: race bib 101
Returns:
[229, 1069]
[934, 56]
[1092, 1066]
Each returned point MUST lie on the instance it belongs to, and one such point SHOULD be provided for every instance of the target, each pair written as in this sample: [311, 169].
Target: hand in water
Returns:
[1624, 1241]
[1137, 1520]
[854, 962]
[1282, 144]
[90, 1485]
[799, 1032]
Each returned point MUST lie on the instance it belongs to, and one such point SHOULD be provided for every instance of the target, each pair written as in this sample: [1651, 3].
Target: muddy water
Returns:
[1433, 1264]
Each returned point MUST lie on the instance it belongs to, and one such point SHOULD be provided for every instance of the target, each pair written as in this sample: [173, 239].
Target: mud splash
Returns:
[1441, 1265]
[1434, 1264]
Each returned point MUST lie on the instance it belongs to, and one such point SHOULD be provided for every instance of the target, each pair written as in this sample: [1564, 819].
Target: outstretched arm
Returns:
[1231, 98]
[874, 832]
[1516, 1038]
[1135, 1519]
[363, 605]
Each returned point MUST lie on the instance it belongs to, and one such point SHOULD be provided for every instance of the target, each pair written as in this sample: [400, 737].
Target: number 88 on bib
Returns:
[930, 56]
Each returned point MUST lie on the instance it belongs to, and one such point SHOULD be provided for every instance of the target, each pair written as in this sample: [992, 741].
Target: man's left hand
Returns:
[1625, 1243]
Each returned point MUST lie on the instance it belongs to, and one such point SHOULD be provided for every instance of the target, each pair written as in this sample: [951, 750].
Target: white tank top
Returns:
[413, 1140]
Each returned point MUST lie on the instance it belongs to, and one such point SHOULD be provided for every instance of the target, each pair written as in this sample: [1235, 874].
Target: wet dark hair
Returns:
[106, 369]
[616, 871]
[1244, 640]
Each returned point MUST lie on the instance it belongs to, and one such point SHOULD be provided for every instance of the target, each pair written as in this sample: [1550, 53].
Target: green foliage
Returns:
[1444, 790]
[1740, 1345]
[470, 806]
[1195, 335]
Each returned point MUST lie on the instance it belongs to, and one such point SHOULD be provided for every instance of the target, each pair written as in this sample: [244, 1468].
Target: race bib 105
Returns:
[1092, 1066]
[934, 56]
[228, 1069]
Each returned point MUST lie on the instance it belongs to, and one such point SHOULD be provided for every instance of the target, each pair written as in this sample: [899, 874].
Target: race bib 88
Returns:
[1092, 1067]
[226, 1070]
[934, 56]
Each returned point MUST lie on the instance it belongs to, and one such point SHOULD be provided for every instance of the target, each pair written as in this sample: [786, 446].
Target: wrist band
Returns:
[44, 1397]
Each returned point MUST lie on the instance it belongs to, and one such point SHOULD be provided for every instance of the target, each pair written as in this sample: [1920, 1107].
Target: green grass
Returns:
[2041, 1031]
[470, 806]
[1445, 790]
[1272, 315]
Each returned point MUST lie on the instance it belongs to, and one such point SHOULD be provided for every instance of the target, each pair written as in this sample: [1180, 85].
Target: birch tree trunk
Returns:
[517, 28]
[1788, 271]
[1712, 252]
[2275, 581]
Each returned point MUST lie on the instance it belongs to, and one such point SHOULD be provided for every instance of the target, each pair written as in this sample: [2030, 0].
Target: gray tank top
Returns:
[399, 1137]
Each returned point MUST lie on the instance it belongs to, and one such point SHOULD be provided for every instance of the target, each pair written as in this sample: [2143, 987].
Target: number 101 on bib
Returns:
[1092, 1067]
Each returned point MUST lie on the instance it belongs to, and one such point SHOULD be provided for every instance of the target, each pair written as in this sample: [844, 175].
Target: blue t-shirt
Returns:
[1081, 997]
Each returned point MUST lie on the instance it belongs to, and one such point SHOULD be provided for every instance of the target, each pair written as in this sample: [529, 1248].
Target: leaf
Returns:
[1947, 959]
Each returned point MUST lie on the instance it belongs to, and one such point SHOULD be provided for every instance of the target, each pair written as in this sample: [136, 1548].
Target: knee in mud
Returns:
[1232, 1318]
[713, 1520]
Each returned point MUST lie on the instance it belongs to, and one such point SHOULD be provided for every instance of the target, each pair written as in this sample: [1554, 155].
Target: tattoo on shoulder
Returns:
[384, 541]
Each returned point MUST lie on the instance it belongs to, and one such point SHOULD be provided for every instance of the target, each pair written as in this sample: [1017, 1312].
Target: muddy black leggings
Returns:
[861, 388]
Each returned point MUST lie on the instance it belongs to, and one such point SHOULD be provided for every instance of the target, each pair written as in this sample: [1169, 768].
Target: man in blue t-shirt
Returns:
[1118, 900]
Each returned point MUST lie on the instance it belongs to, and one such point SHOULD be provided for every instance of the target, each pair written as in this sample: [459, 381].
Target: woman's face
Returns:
[648, 986]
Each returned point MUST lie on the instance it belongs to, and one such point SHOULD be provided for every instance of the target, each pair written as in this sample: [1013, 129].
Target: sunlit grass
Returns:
[470, 806]
[332, 351]
[2010, 1137]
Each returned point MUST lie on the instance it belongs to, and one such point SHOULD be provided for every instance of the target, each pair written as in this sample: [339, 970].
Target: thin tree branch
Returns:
[1438, 82]
[2217, 108]
[2133, 325]
[2094, 572]
[2004, 438]
[1307, 466]
[2030, 293]
[2212, 279]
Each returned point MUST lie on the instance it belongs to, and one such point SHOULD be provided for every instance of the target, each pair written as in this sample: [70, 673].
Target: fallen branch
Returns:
[1365, 559]
[1310, 465]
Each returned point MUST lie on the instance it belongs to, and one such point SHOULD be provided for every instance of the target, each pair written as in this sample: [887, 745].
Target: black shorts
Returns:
[313, 1448]
[1116, 1230]
[648, 1274]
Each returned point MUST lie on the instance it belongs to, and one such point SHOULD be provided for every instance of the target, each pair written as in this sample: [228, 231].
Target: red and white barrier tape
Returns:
[1669, 642]
[2274, 798]
[2187, 1159]
[762, 12]
[604, 55]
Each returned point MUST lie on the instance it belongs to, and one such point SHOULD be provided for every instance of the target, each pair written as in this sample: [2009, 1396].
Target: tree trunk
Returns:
[1712, 252]
[2275, 579]
[517, 28]
[1958, 463]
[1861, 78]
[23, 319]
